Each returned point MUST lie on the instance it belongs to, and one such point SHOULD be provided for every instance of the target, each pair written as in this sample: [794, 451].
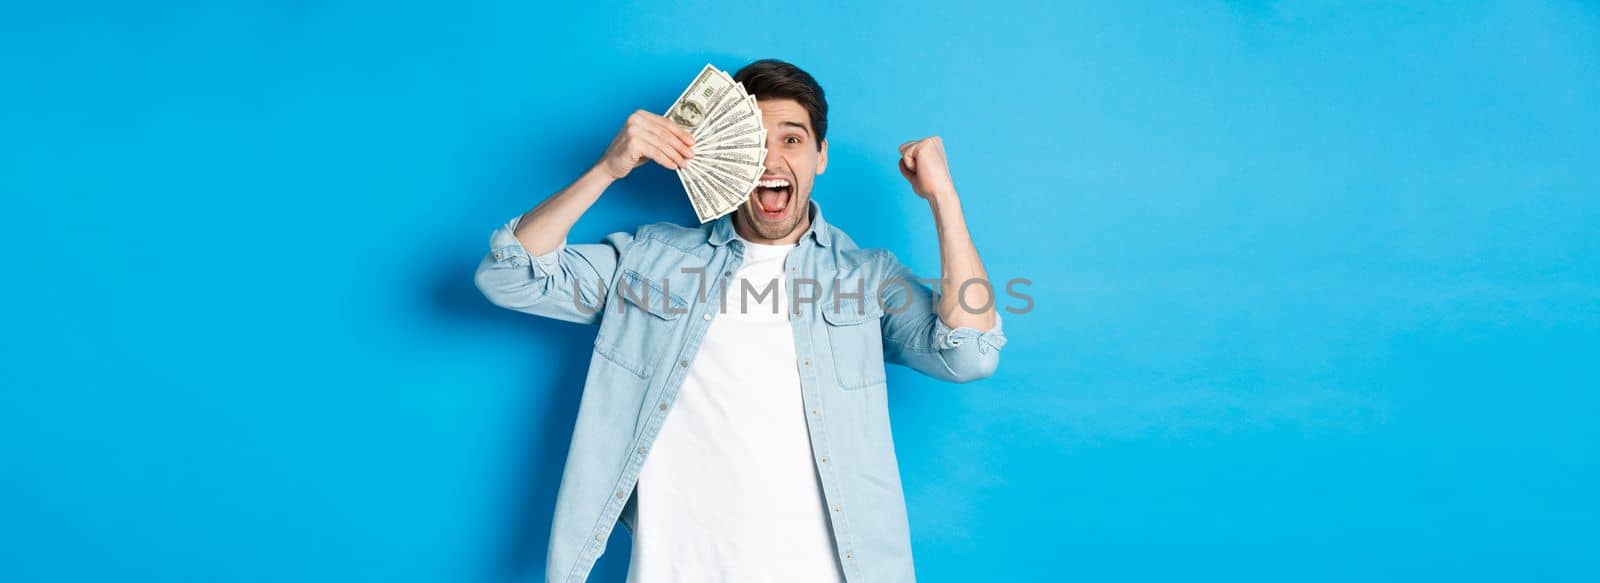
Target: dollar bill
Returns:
[730, 185]
[736, 131]
[725, 104]
[739, 114]
[743, 142]
[689, 111]
[703, 207]
[742, 156]
[726, 202]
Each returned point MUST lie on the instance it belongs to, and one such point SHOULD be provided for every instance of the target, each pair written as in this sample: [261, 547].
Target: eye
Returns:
[791, 140]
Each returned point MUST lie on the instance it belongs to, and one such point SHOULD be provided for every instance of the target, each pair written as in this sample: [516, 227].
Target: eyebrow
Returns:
[796, 124]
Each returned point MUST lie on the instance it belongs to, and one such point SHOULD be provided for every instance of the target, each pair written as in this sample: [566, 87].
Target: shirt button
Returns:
[836, 508]
[663, 406]
[807, 362]
[815, 412]
[706, 317]
[683, 363]
[621, 495]
[849, 555]
[642, 450]
[600, 537]
[824, 459]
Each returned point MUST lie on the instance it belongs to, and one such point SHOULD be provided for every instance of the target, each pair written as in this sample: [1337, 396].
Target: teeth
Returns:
[774, 183]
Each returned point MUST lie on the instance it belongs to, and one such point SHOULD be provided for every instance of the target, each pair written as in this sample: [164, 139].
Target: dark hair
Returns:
[775, 79]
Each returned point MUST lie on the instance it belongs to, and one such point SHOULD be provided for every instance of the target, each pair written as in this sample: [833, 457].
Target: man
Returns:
[735, 416]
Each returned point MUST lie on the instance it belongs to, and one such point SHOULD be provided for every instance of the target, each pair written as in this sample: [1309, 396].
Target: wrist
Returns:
[944, 198]
[600, 173]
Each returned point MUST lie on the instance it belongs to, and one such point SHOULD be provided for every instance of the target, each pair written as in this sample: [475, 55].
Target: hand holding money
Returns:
[647, 136]
[729, 147]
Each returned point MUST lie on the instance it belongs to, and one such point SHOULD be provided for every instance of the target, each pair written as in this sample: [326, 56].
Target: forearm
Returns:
[966, 297]
[543, 228]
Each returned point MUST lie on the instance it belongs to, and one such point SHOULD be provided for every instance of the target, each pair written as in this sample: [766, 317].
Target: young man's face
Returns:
[777, 210]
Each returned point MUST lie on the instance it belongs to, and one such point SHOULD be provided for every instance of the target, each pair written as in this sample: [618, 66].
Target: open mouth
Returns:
[771, 198]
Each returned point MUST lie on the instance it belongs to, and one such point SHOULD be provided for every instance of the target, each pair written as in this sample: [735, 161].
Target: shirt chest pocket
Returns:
[640, 326]
[856, 341]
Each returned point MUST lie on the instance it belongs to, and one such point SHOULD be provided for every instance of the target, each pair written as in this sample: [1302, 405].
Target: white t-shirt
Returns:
[729, 492]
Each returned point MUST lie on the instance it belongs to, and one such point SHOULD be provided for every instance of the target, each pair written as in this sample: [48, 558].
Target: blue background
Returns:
[1317, 284]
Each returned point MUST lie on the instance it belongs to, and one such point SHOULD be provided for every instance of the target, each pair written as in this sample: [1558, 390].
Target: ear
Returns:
[822, 158]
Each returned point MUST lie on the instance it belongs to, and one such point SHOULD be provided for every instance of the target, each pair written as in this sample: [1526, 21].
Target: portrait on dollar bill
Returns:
[687, 114]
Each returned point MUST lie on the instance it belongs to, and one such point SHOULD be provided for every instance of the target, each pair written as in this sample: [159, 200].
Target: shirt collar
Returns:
[722, 229]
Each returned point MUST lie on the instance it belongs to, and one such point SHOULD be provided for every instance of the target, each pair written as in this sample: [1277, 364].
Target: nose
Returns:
[774, 159]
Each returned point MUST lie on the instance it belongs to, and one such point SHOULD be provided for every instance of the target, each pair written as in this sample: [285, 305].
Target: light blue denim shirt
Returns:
[654, 292]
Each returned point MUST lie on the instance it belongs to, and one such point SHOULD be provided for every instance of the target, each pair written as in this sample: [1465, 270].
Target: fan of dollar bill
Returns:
[729, 142]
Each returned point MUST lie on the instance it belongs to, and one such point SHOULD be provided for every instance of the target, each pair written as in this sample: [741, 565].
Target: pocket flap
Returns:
[649, 294]
[850, 311]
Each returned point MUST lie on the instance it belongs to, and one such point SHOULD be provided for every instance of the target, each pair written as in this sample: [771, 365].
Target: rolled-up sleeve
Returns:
[915, 336]
[566, 283]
